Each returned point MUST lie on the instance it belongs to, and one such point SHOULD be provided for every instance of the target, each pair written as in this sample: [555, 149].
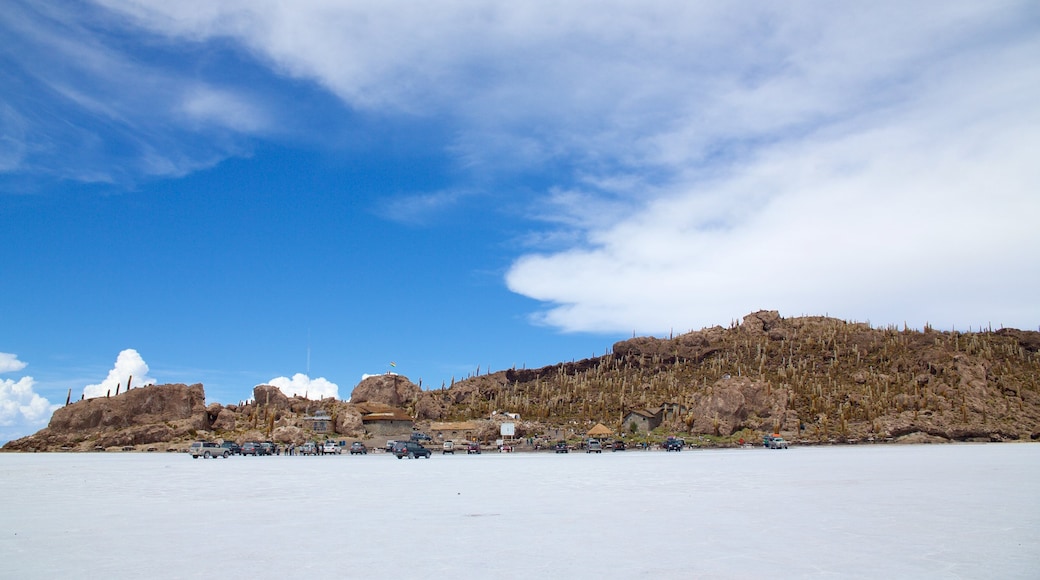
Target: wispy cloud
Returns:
[695, 160]
[79, 105]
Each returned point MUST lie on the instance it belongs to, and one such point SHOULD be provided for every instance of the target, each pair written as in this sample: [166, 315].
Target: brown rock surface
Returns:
[390, 389]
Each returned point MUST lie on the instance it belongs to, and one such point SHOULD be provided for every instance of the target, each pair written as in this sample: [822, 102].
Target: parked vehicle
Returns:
[308, 448]
[233, 447]
[207, 449]
[619, 446]
[673, 444]
[593, 446]
[448, 447]
[268, 448]
[251, 448]
[777, 443]
[411, 449]
[330, 448]
[419, 436]
[473, 447]
[358, 448]
[390, 445]
[561, 447]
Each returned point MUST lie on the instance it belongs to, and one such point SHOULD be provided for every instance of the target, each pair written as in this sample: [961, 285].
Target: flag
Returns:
[393, 364]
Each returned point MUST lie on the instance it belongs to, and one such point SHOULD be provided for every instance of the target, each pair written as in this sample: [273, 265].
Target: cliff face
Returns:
[139, 416]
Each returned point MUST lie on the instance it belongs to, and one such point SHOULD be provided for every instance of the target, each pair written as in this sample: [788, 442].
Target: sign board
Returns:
[508, 429]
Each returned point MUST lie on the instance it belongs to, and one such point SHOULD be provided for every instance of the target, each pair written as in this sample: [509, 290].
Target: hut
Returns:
[600, 430]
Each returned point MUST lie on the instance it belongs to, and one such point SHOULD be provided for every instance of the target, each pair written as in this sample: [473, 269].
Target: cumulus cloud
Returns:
[9, 363]
[304, 386]
[128, 364]
[22, 410]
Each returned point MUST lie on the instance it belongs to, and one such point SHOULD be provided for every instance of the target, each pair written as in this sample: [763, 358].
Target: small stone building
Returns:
[453, 430]
[387, 422]
[644, 421]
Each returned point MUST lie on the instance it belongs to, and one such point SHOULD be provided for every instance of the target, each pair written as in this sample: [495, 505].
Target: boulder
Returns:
[390, 389]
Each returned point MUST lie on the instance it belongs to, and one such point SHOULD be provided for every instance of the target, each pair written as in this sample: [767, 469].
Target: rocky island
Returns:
[811, 379]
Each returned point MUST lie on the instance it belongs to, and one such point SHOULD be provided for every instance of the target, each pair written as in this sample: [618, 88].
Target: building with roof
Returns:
[453, 430]
[641, 420]
[387, 422]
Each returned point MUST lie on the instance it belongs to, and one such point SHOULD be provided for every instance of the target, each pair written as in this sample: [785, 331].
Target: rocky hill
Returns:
[813, 379]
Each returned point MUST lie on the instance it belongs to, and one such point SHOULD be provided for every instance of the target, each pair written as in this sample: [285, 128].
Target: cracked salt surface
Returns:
[940, 511]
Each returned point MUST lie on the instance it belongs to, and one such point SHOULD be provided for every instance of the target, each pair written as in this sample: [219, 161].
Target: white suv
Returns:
[207, 449]
[330, 447]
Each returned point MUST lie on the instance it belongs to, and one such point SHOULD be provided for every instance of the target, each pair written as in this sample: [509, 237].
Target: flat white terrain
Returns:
[939, 511]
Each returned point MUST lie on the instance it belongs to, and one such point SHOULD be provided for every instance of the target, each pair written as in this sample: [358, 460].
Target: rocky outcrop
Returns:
[390, 389]
[145, 415]
[732, 404]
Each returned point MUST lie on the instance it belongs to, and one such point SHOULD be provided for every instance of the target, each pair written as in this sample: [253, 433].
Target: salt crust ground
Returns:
[949, 511]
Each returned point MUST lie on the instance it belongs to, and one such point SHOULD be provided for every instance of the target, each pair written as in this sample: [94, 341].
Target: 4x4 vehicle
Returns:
[619, 446]
[268, 448]
[672, 444]
[358, 448]
[473, 447]
[251, 448]
[207, 449]
[308, 448]
[330, 448]
[390, 445]
[448, 447]
[561, 447]
[411, 449]
[593, 446]
[777, 443]
[418, 436]
[233, 447]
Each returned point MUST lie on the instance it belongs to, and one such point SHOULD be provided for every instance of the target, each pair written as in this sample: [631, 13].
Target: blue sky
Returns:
[237, 193]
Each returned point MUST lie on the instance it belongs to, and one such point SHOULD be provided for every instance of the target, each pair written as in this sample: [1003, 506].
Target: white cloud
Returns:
[868, 161]
[302, 385]
[128, 364]
[22, 410]
[9, 363]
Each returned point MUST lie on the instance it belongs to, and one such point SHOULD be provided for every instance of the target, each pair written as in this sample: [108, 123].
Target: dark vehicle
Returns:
[672, 444]
[417, 436]
[390, 445]
[233, 447]
[561, 447]
[473, 448]
[251, 448]
[411, 449]
[358, 448]
[619, 446]
[593, 446]
[269, 448]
